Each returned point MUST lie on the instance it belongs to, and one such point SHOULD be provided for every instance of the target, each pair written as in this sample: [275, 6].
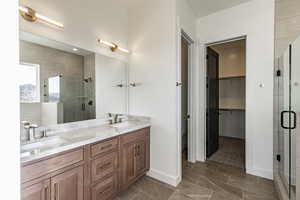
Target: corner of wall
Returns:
[163, 177]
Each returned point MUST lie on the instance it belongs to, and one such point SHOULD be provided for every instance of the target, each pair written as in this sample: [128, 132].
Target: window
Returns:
[29, 82]
[54, 89]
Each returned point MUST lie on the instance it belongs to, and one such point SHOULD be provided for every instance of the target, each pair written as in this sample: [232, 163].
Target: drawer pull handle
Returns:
[106, 147]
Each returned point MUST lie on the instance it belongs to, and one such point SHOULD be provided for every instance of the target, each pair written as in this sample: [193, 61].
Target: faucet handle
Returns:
[25, 123]
[34, 126]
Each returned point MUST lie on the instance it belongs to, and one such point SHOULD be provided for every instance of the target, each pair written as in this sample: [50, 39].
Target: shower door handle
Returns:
[295, 120]
[282, 120]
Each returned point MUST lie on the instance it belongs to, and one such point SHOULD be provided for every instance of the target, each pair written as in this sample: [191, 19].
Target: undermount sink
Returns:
[36, 147]
[122, 125]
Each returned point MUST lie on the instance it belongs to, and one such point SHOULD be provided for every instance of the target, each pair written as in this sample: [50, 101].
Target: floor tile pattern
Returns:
[204, 181]
[231, 152]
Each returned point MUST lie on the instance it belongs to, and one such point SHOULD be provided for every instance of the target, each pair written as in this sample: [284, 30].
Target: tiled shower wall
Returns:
[55, 62]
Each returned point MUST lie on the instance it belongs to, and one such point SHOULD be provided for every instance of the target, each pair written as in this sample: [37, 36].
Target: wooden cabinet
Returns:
[37, 191]
[134, 156]
[140, 157]
[68, 185]
[127, 164]
[106, 189]
[93, 172]
[103, 166]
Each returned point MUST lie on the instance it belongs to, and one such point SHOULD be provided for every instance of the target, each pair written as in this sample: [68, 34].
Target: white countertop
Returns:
[71, 139]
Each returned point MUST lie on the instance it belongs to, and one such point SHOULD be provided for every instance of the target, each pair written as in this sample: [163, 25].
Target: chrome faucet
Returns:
[26, 126]
[29, 135]
[114, 118]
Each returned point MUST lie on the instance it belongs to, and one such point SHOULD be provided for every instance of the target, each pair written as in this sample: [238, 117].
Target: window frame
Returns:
[38, 85]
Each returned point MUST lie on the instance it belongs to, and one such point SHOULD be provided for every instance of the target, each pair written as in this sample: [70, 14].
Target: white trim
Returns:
[192, 104]
[163, 177]
[261, 173]
[178, 98]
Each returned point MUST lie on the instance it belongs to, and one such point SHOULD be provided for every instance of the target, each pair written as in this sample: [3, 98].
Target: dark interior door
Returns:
[212, 108]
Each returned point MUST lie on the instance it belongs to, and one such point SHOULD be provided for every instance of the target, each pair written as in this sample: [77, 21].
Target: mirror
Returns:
[60, 83]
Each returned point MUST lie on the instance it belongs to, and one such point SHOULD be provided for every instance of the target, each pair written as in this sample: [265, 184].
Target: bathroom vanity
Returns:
[72, 147]
[87, 164]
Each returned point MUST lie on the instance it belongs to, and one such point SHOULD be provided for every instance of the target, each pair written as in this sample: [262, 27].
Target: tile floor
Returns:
[231, 152]
[204, 181]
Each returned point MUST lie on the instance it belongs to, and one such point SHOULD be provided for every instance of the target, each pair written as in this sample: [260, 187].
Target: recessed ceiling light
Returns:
[74, 49]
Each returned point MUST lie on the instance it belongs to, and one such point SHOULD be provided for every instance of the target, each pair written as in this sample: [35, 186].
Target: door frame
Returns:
[190, 133]
[247, 153]
[192, 106]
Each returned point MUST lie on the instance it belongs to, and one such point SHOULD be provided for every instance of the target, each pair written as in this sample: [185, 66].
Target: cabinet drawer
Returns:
[103, 147]
[106, 189]
[131, 137]
[44, 167]
[104, 166]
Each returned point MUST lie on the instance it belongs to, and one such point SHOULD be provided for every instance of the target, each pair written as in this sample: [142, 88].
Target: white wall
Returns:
[259, 29]
[10, 172]
[187, 18]
[84, 22]
[152, 38]
[108, 74]
[31, 112]
[51, 113]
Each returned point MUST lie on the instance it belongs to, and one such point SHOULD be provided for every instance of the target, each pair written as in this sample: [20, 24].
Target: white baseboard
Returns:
[261, 173]
[163, 177]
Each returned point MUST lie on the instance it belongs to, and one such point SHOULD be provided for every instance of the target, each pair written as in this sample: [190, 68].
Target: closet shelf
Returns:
[232, 77]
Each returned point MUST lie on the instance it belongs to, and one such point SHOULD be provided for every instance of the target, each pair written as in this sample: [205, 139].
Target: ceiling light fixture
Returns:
[113, 47]
[75, 49]
[31, 15]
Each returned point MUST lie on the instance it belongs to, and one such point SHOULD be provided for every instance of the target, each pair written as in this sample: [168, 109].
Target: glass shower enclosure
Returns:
[288, 111]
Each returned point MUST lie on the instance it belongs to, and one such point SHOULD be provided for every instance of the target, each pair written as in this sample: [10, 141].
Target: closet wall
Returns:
[232, 86]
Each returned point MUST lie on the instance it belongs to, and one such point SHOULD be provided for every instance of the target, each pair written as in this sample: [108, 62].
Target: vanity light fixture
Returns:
[113, 47]
[31, 15]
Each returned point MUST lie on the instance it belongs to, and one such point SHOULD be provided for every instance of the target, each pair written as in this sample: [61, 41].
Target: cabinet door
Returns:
[140, 157]
[127, 163]
[38, 191]
[68, 185]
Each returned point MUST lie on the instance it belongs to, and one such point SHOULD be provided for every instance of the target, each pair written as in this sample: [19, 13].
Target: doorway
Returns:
[185, 116]
[225, 103]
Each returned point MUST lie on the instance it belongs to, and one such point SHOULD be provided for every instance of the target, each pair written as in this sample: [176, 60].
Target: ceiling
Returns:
[207, 7]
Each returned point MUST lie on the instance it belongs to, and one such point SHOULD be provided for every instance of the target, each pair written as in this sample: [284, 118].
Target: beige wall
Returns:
[232, 58]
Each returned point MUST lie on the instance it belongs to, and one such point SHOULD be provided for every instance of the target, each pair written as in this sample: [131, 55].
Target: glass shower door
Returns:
[295, 109]
[289, 102]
